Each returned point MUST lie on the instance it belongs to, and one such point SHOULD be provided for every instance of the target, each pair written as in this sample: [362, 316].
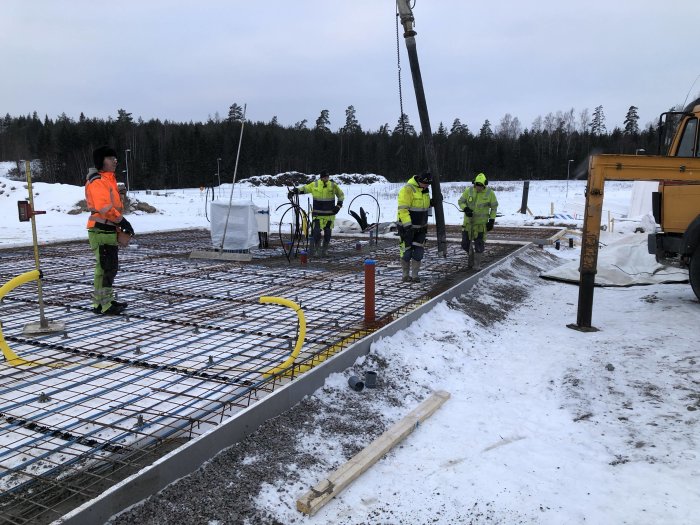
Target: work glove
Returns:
[336, 209]
[340, 204]
[489, 225]
[468, 212]
[406, 234]
[126, 226]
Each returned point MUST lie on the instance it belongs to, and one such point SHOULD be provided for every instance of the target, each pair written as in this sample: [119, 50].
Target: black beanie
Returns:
[98, 156]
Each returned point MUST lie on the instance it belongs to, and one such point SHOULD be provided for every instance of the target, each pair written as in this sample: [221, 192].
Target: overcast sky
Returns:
[186, 60]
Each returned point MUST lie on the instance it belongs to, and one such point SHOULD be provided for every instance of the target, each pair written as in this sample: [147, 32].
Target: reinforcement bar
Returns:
[190, 456]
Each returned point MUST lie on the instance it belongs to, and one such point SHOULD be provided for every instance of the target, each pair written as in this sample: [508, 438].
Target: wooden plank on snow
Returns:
[328, 488]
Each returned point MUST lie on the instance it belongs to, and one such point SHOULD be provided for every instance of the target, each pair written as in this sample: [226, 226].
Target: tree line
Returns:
[165, 154]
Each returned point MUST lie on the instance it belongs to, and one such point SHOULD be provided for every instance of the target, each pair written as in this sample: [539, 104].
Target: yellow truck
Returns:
[676, 205]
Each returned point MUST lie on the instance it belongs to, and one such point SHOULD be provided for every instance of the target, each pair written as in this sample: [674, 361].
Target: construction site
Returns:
[85, 408]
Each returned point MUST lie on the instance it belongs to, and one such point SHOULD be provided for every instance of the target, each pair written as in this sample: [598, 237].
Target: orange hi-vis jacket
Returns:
[103, 201]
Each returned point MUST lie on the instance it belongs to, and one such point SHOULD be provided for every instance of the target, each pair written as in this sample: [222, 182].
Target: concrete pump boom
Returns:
[407, 20]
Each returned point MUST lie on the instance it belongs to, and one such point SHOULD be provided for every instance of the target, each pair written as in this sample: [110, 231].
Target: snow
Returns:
[544, 425]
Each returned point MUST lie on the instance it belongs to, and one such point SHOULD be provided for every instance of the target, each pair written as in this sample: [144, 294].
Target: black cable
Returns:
[298, 237]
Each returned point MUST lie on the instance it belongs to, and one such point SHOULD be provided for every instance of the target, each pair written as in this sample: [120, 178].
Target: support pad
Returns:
[51, 327]
[578, 328]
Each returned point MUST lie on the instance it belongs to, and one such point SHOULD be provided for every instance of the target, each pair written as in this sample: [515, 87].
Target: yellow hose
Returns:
[302, 333]
[12, 358]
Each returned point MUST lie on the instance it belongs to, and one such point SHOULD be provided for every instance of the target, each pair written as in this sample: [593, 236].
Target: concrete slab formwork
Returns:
[113, 394]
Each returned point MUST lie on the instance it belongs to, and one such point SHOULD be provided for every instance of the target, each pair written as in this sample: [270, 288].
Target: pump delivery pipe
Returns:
[407, 21]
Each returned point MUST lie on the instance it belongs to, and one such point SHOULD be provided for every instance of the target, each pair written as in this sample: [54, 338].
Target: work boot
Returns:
[113, 309]
[477, 260]
[405, 267]
[121, 304]
[470, 260]
[324, 250]
[415, 266]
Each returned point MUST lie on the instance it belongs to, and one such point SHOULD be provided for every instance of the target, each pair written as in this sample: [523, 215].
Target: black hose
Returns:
[299, 238]
[206, 199]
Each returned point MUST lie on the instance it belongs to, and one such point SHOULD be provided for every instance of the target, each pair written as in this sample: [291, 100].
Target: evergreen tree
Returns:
[458, 128]
[235, 112]
[351, 123]
[632, 121]
[404, 126]
[598, 123]
[485, 132]
[323, 122]
[124, 117]
[301, 125]
[442, 130]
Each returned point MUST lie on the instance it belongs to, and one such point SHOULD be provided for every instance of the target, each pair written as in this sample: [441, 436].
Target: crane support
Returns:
[407, 21]
[617, 167]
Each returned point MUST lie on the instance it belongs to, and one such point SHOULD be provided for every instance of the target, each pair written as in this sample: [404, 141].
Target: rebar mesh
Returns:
[113, 393]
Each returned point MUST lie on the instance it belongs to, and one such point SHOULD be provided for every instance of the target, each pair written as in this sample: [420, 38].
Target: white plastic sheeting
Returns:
[624, 262]
[640, 201]
[241, 233]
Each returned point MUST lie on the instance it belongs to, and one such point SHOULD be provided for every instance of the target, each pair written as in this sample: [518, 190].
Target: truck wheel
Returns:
[694, 272]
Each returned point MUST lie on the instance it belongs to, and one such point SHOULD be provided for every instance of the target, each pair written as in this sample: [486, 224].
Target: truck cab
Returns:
[676, 204]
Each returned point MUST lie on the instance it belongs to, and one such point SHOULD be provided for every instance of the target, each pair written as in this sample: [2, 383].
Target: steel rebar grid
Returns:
[193, 347]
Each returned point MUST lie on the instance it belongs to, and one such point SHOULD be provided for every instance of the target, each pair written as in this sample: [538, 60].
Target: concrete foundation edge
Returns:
[192, 455]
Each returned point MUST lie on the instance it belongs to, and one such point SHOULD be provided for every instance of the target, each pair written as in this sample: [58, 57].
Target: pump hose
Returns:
[298, 233]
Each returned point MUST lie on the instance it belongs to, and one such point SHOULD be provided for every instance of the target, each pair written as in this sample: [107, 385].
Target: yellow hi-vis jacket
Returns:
[483, 205]
[413, 203]
[324, 195]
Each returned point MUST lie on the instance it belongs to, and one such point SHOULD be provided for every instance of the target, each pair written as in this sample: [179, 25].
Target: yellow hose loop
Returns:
[12, 358]
[302, 333]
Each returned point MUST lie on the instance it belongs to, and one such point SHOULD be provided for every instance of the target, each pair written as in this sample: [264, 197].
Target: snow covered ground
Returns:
[545, 424]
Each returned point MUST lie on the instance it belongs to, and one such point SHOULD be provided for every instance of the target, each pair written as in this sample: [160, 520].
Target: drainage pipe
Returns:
[370, 267]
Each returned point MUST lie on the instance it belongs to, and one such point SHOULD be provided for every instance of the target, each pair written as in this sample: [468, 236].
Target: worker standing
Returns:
[412, 223]
[106, 219]
[479, 205]
[324, 209]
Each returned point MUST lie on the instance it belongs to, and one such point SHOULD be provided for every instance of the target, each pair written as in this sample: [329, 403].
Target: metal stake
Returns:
[43, 326]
